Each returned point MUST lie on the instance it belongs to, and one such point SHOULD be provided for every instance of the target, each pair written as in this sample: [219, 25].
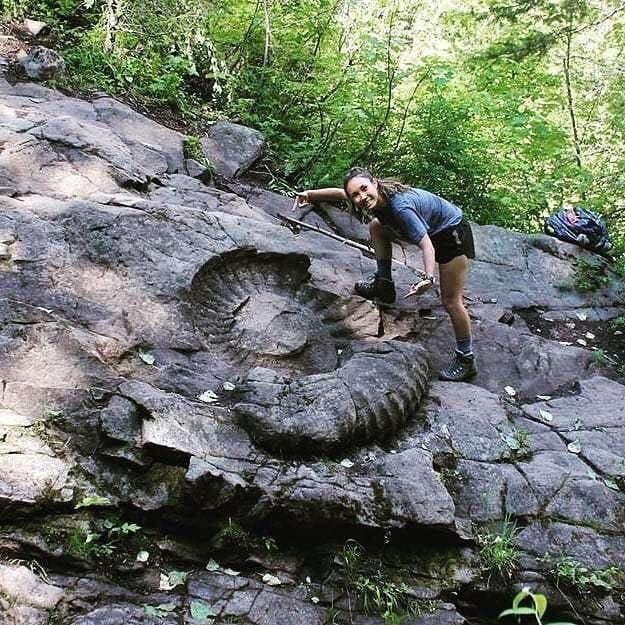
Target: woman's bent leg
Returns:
[453, 277]
[380, 285]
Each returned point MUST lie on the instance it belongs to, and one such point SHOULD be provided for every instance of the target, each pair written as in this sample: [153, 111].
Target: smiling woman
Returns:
[440, 230]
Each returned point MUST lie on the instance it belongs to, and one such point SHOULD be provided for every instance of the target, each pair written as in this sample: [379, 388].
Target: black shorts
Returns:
[453, 241]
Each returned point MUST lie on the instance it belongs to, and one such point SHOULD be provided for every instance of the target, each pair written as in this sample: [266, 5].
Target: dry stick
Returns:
[364, 249]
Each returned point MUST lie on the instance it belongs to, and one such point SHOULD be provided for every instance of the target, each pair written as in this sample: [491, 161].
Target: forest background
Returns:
[507, 107]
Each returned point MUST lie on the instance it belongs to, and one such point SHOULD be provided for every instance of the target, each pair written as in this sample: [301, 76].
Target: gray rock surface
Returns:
[231, 148]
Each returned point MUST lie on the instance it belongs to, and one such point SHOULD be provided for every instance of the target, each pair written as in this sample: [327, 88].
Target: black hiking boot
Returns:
[376, 288]
[460, 369]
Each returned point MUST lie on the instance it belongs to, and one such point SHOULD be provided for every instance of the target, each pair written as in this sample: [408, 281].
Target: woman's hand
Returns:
[419, 288]
[301, 199]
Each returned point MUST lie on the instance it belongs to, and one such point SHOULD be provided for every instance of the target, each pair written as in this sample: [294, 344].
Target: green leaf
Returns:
[172, 579]
[147, 358]
[201, 611]
[540, 601]
[93, 500]
[129, 528]
[512, 442]
[160, 610]
[575, 446]
[511, 611]
[519, 597]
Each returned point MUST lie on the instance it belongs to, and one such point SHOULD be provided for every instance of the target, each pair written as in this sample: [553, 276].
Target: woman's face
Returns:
[364, 193]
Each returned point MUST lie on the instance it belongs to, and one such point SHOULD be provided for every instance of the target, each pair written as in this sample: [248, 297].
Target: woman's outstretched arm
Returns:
[311, 196]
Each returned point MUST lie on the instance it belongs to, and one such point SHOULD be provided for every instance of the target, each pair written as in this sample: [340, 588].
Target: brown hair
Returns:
[387, 187]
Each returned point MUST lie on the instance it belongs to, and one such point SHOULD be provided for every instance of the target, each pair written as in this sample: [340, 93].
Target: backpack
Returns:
[580, 226]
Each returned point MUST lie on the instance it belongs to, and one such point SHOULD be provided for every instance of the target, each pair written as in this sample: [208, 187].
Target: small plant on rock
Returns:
[99, 540]
[233, 537]
[589, 276]
[618, 323]
[192, 148]
[537, 608]
[392, 618]
[599, 356]
[451, 478]
[375, 589]
[519, 444]
[499, 554]
[574, 576]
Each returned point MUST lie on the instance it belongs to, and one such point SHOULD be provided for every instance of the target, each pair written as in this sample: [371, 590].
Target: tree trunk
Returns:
[569, 96]
[267, 32]
[391, 68]
[113, 11]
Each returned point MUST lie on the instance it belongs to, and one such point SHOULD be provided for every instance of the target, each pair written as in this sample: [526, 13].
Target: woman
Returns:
[436, 226]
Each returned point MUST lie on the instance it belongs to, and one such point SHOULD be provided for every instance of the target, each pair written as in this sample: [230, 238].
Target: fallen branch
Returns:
[295, 225]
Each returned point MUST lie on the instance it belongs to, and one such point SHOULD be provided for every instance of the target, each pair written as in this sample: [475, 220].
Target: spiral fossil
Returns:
[309, 384]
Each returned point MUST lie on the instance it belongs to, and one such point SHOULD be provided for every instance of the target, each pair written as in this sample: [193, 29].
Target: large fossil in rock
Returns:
[308, 385]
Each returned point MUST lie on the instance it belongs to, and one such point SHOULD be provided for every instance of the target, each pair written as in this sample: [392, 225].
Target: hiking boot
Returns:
[375, 287]
[461, 368]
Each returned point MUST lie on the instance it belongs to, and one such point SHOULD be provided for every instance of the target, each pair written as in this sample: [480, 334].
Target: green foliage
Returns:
[589, 276]
[155, 53]
[233, 537]
[94, 500]
[618, 323]
[537, 608]
[619, 265]
[600, 357]
[574, 576]
[99, 540]
[80, 543]
[192, 148]
[375, 589]
[51, 11]
[269, 543]
[451, 477]
[499, 554]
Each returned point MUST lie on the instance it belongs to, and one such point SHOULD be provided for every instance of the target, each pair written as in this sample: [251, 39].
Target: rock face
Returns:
[172, 356]
[232, 148]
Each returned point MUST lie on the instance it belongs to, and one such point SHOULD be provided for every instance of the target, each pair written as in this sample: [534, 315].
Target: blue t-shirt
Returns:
[416, 212]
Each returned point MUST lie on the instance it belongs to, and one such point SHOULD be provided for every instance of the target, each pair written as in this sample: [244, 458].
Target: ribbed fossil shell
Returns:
[309, 384]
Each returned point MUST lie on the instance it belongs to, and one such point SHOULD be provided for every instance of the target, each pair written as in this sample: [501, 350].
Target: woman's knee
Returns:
[453, 302]
[376, 229]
